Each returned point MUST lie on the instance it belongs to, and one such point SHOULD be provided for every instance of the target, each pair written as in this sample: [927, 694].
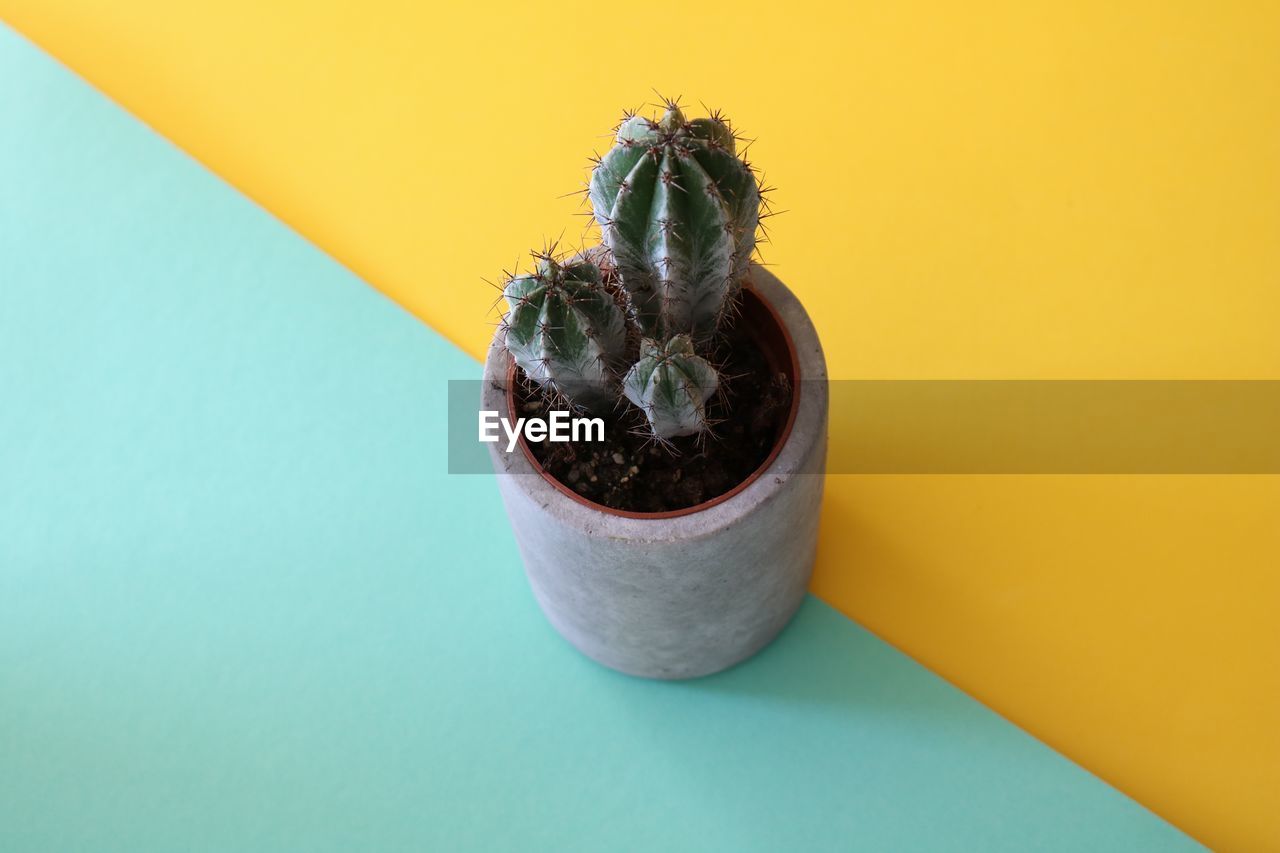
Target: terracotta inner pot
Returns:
[758, 318]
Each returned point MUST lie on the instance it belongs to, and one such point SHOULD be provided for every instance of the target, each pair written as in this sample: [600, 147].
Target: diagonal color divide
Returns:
[243, 607]
[982, 189]
[986, 189]
[1047, 191]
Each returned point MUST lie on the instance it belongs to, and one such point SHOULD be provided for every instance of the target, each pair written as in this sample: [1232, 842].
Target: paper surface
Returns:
[243, 607]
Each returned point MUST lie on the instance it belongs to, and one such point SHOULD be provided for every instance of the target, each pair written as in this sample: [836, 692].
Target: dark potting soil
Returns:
[631, 471]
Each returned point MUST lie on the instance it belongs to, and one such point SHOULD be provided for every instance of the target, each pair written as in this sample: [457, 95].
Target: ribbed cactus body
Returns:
[566, 331]
[671, 384]
[678, 210]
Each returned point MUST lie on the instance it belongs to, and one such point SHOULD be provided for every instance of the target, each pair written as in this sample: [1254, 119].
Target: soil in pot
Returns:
[629, 471]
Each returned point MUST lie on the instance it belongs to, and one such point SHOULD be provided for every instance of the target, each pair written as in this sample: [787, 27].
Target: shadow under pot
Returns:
[688, 592]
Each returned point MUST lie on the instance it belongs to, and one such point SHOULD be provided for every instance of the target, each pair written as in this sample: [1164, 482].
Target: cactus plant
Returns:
[671, 384]
[678, 210]
[566, 331]
[659, 543]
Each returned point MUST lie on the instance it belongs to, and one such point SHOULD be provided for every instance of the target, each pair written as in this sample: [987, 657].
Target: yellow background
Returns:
[978, 189]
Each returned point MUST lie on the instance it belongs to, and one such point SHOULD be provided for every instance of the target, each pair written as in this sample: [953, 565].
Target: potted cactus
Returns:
[680, 539]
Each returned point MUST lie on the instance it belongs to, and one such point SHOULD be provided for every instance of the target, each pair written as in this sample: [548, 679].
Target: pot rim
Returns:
[793, 368]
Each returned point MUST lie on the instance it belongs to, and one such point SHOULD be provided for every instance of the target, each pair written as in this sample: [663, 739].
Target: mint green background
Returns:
[242, 607]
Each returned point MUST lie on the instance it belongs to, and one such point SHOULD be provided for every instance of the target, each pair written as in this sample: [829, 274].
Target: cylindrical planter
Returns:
[688, 593]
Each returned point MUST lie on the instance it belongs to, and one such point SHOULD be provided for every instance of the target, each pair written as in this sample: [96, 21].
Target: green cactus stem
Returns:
[679, 210]
[671, 385]
[566, 331]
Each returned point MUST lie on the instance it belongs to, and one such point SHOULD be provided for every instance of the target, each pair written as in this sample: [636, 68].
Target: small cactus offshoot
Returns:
[671, 384]
[566, 331]
[679, 211]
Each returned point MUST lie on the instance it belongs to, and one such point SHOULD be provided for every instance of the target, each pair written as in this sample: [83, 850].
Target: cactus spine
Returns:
[678, 210]
[566, 332]
[671, 384]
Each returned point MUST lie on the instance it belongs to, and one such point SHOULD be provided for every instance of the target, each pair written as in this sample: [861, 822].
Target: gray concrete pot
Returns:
[684, 594]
